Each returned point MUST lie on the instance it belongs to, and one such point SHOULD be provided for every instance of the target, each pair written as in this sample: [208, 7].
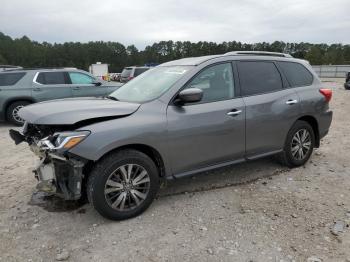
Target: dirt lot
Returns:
[258, 211]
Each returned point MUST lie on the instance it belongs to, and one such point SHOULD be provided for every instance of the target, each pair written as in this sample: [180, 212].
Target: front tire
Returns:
[347, 85]
[299, 145]
[12, 112]
[123, 184]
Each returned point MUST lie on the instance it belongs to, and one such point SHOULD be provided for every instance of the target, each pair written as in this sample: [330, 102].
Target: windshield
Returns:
[151, 84]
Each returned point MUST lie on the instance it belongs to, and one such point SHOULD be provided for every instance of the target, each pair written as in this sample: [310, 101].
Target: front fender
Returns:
[145, 127]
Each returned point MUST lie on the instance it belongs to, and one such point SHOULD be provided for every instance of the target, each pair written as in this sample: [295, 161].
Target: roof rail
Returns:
[40, 68]
[261, 53]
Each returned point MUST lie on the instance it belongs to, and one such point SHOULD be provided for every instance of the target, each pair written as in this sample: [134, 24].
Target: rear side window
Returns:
[258, 77]
[139, 71]
[9, 79]
[297, 74]
[51, 78]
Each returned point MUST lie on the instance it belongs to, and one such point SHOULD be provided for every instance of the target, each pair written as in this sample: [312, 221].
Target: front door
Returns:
[83, 86]
[211, 131]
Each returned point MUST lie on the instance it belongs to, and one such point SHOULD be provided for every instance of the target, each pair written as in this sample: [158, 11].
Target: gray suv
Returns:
[175, 120]
[131, 72]
[19, 88]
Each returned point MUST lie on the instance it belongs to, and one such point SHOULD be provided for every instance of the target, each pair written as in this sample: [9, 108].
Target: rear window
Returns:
[139, 71]
[297, 74]
[258, 77]
[126, 72]
[9, 79]
[51, 78]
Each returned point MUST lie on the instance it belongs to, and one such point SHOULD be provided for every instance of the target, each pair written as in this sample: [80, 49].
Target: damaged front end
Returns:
[58, 171]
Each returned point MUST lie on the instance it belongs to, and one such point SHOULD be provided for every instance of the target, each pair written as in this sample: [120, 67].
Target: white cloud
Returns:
[143, 22]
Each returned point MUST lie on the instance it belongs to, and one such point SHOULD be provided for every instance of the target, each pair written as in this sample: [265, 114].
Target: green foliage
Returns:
[2, 60]
[27, 53]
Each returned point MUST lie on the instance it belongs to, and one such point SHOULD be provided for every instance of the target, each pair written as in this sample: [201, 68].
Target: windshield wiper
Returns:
[112, 98]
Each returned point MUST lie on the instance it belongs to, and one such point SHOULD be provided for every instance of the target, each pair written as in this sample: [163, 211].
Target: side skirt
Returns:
[229, 163]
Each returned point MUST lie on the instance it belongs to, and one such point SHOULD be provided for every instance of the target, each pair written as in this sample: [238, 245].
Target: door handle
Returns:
[76, 88]
[37, 89]
[291, 102]
[234, 112]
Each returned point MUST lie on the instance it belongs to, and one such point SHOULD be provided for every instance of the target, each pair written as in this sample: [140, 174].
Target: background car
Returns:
[23, 87]
[8, 67]
[115, 76]
[347, 81]
[131, 72]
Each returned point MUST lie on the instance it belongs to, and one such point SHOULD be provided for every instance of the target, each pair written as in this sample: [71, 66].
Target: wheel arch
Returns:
[312, 121]
[14, 100]
[151, 152]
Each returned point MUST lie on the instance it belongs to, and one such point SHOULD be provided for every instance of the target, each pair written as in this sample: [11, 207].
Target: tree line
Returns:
[28, 53]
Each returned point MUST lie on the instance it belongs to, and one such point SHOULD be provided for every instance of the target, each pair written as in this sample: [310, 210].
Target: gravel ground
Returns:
[257, 211]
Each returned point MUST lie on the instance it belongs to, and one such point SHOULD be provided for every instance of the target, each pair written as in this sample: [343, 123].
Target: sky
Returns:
[143, 22]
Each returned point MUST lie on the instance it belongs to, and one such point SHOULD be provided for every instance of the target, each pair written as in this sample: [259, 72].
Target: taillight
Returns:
[130, 77]
[327, 93]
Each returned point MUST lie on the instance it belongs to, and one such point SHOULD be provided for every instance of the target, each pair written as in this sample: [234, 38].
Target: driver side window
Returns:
[80, 79]
[216, 82]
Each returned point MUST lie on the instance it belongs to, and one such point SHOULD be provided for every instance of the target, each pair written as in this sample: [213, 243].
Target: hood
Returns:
[73, 110]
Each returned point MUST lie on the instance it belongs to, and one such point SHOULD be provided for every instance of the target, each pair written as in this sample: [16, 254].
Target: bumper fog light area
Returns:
[61, 177]
[46, 186]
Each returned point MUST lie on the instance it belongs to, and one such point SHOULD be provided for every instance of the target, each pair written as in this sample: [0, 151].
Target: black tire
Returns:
[100, 174]
[11, 113]
[286, 157]
[347, 86]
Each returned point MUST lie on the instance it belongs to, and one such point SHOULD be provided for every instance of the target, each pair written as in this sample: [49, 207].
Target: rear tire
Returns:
[123, 184]
[299, 145]
[12, 112]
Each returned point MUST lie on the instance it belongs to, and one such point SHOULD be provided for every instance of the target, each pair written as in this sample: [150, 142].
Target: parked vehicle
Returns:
[115, 76]
[131, 72]
[99, 70]
[175, 120]
[347, 81]
[8, 67]
[19, 88]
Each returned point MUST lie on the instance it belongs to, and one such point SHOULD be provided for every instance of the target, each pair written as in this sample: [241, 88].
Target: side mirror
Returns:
[190, 95]
[96, 83]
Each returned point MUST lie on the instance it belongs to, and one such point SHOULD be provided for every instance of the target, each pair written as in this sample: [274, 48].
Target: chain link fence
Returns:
[331, 70]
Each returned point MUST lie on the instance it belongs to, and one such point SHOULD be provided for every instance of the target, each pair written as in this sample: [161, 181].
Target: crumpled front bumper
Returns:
[58, 172]
[60, 176]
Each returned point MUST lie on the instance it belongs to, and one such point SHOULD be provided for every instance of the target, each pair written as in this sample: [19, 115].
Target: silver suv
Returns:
[131, 72]
[21, 87]
[177, 119]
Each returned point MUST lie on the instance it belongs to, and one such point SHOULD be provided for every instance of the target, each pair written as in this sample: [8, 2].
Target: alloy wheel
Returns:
[301, 144]
[15, 115]
[127, 187]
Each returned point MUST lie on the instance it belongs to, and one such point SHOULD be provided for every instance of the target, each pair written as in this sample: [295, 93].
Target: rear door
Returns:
[83, 85]
[271, 108]
[50, 85]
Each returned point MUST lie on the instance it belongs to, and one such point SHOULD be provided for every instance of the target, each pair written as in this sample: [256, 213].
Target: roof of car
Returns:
[193, 61]
[129, 67]
[38, 69]
[190, 60]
